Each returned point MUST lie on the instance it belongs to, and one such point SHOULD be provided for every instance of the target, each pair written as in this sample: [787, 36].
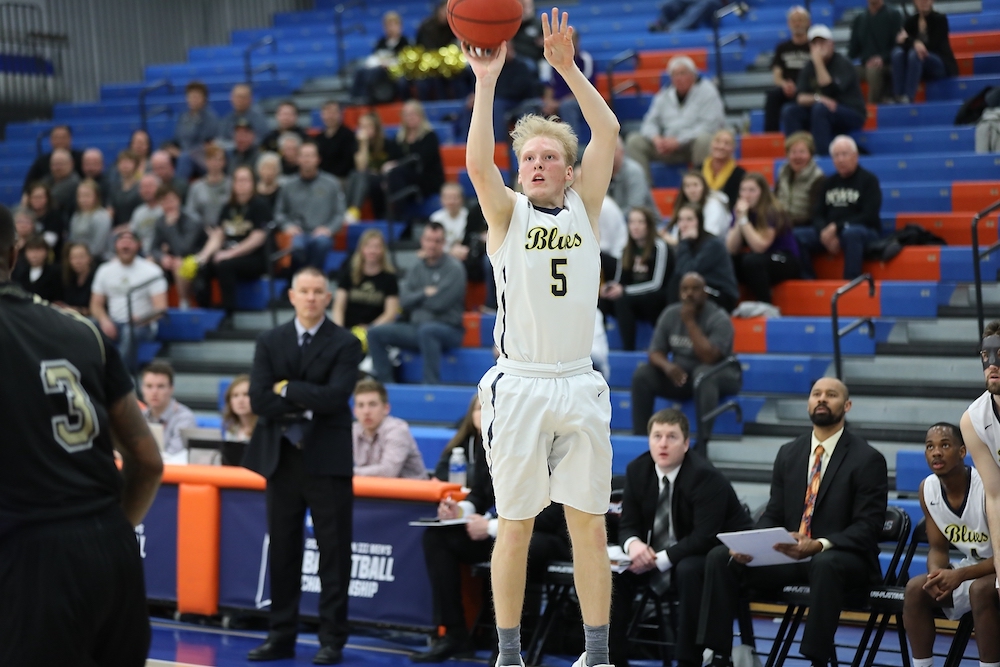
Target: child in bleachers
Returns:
[238, 419]
[714, 207]
[90, 224]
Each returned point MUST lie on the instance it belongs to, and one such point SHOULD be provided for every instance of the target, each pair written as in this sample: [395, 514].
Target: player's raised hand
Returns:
[485, 64]
[558, 39]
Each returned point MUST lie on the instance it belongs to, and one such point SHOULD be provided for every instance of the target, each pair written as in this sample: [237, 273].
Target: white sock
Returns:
[923, 662]
[989, 664]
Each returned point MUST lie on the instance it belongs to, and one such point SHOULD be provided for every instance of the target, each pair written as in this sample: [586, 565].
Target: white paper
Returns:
[760, 544]
[619, 559]
[439, 522]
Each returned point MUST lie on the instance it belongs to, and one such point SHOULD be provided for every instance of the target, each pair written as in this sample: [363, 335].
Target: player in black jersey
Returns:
[71, 582]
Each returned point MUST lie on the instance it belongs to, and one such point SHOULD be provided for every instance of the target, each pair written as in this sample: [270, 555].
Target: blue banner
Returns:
[157, 536]
[388, 574]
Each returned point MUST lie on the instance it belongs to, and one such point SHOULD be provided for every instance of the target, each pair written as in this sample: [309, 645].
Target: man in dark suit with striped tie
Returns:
[303, 375]
[829, 490]
[674, 504]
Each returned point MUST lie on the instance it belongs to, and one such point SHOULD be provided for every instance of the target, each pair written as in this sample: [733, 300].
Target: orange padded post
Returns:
[750, 335]
[198, 549]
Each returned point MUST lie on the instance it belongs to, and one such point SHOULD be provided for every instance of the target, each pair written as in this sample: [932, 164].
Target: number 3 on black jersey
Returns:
[76, 429]
[559, 288]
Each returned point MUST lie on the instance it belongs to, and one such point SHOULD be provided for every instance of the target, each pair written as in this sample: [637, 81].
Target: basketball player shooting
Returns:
[546, 411]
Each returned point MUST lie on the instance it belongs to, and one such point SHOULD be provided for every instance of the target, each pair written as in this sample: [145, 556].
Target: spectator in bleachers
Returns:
[144, 217]
[175, 236]
[453, 215]
[269, 178]
[110, 298]
[310, 209]
[922, 52]
[25, 227]
[434, 33]
[336, 143]
[371, 81]
[838, 529]
[674, 503]
[614, 234]
[77, 277]
[432, 295]
[195, 128]
[415, 138]
[238, 419]
[93, 168]
[289, 145]
[235, 248]
[241, 99]
[873, 36]
[49, 221]
[680, 122]
[699, 251]
[680, 15]
[800, 179]
[720, 170]
[829, 100]
[62, 182]
[714, 207]
[528, 39]
[517, 92]
[365, 182]
[847, 212]
[557, 100]
[638, 292]
[245, 151]
[60, 137]
[761, 240]
[208, 194]
[953, 502]
[161, 408]
[91, 223]
[383, 444]
[786, 65]
[162, 165]
[123, 192]
[141, 146]
[42, 277]
[629, 183]
[699, 334]
[286, 117]
[367, 287]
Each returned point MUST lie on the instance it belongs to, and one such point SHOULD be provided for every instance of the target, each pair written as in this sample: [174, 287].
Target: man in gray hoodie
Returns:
[433, 296]
[310, 208]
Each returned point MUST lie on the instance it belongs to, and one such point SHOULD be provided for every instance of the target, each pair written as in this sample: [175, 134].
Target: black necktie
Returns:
[293, 432]
[660, 581]
[306, 339]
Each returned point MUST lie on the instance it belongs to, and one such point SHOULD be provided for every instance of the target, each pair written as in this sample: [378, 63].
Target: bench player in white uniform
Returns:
[546, 411]
[954, 506]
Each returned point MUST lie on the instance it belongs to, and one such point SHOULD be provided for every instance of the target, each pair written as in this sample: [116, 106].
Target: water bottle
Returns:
[457, 466]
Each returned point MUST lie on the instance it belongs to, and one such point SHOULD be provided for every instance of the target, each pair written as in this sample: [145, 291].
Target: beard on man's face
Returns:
[825, 417]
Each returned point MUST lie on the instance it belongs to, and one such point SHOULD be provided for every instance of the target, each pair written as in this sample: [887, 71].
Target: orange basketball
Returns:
[484, 23]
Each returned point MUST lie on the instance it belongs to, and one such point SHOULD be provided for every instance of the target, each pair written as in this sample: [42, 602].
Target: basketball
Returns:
[485, 24]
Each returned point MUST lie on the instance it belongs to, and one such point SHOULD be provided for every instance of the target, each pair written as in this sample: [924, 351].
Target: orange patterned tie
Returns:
[805, 526]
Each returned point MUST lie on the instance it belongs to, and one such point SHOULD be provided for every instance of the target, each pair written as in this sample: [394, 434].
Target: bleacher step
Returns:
[903, 376]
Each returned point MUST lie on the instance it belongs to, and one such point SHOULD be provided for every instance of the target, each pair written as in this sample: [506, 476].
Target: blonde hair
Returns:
[357, 260]
[532, 125]
[425, 125]
[229, 418]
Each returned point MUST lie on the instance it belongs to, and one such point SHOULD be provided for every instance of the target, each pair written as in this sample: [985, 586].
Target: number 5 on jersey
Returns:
[76, 429]
[559, 287]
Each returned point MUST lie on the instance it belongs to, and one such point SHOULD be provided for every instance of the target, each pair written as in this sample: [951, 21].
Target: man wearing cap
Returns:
[244, 152]
[680, 122]
[829, 101]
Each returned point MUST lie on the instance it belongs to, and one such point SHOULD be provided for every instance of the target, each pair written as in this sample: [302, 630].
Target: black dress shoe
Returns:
[272, 649]
[444, 648]
[329, 655]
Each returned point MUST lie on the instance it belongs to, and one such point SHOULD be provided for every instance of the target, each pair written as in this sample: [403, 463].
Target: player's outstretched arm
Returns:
[142, 466]
[988, 470]
[495, 198]
[598, 158]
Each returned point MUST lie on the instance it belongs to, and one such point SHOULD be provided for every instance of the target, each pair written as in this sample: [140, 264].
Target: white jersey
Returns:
[984, 421]
[966, 529]
[548, 273]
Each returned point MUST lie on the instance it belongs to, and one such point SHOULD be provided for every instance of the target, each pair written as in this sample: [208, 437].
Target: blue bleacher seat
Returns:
[430, 404]
[924, 140]
[461, 365]
[188, 325]
[911, 469]
[956, 265]
[814, 335]
[643, 334]
[909, 299]
[256, 294]
[431, 441]
[146, 352]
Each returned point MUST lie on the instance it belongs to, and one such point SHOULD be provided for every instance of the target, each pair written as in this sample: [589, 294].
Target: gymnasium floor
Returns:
[184, 645]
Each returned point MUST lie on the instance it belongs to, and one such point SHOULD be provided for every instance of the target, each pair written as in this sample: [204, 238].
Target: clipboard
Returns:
[759, 543]
[433, 521]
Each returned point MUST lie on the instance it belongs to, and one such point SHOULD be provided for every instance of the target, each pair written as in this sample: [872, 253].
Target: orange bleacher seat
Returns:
[664, 199]
[761, 165]
[648, 80]
[975, 42]
[470, 320]
[955, 228]
[750, 335]
[453, 158]
[871, 122]
[912, 263]
[812, 298]
[765, 144]
[389, 114]
[973, 195]
[659, 59]
[475, 296]
[965, 66]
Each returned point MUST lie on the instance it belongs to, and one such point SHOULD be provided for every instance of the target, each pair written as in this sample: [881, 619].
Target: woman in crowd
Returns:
[720, 169]
[367, 289]
[77, 276]
[91, 224]
[208, 194]
[123, 195]
[704, 253]
[761, 240]
[141, 146]
[41, 277]
[922, 53]
[415, 141]
[365, 182]
[800, 179]
[50, 221]
[715, 209]
[235, 249]
[269, 177]
[238, 419]
[639, 291]
[175, 236]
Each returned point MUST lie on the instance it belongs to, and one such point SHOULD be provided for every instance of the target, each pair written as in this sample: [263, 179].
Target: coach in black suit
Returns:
[702, 504]
[842, 541]
[303, 375]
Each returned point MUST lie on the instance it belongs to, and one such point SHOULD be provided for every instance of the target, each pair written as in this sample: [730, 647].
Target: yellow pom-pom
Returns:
[361, 334]
[189, 268]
